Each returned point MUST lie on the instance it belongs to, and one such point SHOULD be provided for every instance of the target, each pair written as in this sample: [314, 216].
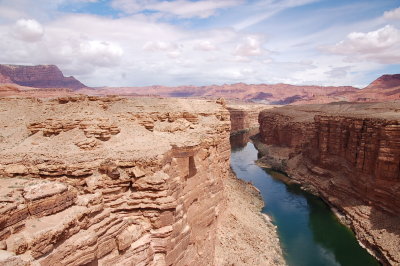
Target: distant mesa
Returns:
[49, 81]
[385, 82]
[40, 76]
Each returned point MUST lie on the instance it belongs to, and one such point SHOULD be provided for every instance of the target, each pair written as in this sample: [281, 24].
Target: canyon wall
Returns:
[244, 117]
[101, 181]
[350, 155]
[41, 76]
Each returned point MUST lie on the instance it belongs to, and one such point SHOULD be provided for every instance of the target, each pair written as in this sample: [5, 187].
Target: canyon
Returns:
[113, 176]
[349, 155]
[107, 180]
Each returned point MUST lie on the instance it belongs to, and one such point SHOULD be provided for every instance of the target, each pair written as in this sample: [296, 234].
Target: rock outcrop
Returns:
[350, 155]
[385, 82]
[102, 181]
[244, 117]
[41, 76]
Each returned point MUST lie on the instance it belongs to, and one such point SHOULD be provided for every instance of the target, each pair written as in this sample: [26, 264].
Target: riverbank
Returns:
[244, 235]
[376, 234]
[309, 232]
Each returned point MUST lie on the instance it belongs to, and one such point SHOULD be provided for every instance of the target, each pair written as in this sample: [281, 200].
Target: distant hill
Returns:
[49, 80]
[384, 88]
[385, 82]
[41, 76]
[266, 93]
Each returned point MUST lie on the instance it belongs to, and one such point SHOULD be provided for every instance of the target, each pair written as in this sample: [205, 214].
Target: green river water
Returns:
[309, 232]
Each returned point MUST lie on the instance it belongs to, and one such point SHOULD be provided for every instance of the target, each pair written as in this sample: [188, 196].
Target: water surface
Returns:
[309, 232]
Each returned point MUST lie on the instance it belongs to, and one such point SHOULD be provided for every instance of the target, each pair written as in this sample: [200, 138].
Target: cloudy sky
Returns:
[203, 42]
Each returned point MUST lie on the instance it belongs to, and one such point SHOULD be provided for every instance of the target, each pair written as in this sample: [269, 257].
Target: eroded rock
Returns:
[349, 154]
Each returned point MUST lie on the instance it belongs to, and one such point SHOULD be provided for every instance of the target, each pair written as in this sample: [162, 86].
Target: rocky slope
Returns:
[102, 181]
[258, 243]
[350, 155]
[385, 82]
[41, 76]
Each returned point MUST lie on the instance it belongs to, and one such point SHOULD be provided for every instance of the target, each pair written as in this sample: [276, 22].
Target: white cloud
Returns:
[101, 53]
[338, 72]
[251, 46]
[263, 10]
[382, 46]
[9, 13]
[393, 14]
[28, 30]
[159, 46]
[179, 8]
[205, 46]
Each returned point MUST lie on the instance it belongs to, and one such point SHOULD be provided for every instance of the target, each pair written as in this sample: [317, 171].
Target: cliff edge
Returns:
[90, 180]
[111, 181]
[349, 154]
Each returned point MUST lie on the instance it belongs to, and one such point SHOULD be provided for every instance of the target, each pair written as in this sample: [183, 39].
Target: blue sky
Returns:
[203, 42]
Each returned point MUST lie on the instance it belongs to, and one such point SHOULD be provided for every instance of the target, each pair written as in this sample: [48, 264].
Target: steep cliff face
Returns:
[41, 76]
[102, 181]
[245, 116]
[350, 155]
[371, 149]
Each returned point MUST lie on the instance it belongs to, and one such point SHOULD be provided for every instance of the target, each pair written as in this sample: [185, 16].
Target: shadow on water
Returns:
[309, 232]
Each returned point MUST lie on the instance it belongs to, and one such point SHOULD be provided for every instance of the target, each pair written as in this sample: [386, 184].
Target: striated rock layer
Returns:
[244, 117]
[41, 76]
[350, 155]
[110, 181]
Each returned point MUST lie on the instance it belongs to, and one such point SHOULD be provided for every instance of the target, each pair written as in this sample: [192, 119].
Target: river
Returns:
[309, 232]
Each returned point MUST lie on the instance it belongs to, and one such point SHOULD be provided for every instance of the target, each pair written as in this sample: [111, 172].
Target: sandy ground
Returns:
[245, 236]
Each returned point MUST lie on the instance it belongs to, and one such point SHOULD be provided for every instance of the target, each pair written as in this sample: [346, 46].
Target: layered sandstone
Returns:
[350, 155]
[101, 181]
[244, 117]
[40, 76]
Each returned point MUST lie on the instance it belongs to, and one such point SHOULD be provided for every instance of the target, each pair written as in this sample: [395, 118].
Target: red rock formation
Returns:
[49, 76]
[350, 155]
[385, 82]
[245, 116]
[41, 76]
[5, 79]
[272, 94]
[111, 181]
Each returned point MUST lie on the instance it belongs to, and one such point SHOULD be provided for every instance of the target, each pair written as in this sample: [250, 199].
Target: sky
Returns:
[205, 42]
